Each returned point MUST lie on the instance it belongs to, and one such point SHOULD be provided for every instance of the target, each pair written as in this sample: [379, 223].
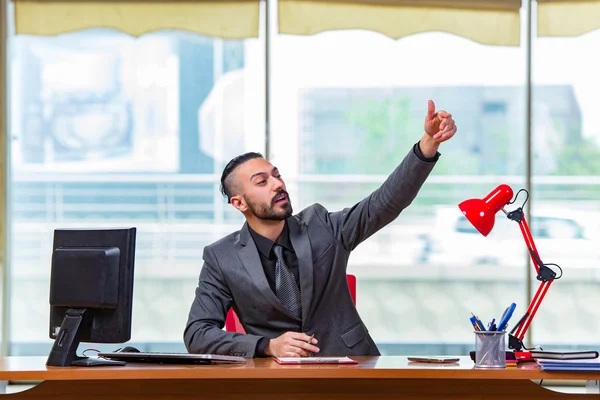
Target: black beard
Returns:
[269, 213]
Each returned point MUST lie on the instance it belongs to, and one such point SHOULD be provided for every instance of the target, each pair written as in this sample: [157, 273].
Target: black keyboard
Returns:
[170, 358]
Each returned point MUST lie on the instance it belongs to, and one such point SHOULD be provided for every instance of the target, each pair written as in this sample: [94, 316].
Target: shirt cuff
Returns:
[260, 347]
[421, 157]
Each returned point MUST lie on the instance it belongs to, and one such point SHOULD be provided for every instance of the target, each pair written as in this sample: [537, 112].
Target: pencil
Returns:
[478, 321]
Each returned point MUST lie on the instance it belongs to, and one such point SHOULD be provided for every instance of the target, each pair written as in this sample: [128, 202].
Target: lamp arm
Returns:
[515, 341]
[544, 274]
[533, 252]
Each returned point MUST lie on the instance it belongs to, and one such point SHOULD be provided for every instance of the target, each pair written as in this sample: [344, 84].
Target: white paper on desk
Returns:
[315, 360]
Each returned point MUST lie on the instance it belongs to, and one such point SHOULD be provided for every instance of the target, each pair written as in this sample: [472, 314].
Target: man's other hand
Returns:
[291, 344]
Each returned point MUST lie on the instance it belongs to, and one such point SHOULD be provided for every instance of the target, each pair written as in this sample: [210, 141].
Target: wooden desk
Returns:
[374, 378]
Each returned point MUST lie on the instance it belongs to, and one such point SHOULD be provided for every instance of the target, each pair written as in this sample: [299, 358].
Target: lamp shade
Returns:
[482, 212]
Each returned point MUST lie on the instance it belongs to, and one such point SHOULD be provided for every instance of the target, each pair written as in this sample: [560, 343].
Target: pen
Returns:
[506, 316]
[492, 325]
[310, 342]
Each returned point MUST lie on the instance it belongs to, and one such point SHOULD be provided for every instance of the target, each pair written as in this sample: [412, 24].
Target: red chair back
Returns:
[232, 322]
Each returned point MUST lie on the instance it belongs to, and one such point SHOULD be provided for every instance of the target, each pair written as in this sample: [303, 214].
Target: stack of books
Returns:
[567, 360]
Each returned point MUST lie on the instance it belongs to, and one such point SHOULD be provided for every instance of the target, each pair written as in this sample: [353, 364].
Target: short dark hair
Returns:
[226, 188]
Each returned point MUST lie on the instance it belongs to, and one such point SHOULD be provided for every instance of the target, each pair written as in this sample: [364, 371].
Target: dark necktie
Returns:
[286, 288]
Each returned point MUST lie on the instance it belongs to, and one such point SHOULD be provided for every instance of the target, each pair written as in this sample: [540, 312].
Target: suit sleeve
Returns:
[353, 225]
[204, 332]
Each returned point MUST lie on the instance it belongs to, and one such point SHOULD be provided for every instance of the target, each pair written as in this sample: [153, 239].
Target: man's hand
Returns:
[291, 344]
[439, 127]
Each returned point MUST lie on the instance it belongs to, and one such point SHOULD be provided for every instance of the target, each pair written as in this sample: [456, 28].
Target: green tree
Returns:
[386, 128]
[581, 158]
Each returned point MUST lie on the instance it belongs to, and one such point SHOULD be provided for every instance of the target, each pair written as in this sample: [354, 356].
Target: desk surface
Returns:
[384, 367]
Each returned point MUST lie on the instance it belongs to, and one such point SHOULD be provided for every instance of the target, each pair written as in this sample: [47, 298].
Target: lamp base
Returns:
[523, 356]
[514, 342]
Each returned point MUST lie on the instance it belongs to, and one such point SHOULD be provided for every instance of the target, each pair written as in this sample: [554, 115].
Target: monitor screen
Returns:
[91, 290]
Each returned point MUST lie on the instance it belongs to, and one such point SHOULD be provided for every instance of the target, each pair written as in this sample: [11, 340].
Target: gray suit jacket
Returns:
[232, 276]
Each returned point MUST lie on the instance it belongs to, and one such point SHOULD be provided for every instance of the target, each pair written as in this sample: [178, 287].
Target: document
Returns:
[314, 360]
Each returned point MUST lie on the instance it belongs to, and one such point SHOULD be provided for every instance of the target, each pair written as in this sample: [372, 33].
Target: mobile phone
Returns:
[434, 360]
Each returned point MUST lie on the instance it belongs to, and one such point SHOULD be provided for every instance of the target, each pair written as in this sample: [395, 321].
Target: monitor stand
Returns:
[64, 350]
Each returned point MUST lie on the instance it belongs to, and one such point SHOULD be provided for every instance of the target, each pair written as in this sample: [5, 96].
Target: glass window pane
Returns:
[110, 130]
[566, 190]
[347, 107]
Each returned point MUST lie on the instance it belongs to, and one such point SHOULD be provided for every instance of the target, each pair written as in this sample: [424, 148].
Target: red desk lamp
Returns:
[482, 214]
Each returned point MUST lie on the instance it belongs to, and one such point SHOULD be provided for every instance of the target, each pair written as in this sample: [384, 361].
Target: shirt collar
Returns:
[264, 244]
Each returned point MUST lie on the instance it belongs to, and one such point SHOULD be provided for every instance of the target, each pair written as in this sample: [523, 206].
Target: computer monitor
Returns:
[91, 291]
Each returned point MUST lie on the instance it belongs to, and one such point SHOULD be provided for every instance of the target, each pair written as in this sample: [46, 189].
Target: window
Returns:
[110, 130]
[567, 189]
[365, 96]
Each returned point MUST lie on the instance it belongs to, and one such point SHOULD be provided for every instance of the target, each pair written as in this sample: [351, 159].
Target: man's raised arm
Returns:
[353, 225]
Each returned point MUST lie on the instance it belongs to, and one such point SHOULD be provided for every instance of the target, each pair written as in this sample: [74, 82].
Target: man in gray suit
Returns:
[285, 275]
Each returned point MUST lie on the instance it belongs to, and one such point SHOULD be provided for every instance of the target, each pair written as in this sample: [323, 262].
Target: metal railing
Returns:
[177, 215]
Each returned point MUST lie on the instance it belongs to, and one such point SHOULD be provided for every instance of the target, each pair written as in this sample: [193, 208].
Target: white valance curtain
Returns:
[567, 17]
[494, 22]
[231, 19]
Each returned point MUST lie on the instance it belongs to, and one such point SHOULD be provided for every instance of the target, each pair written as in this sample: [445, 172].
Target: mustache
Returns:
[279, 193]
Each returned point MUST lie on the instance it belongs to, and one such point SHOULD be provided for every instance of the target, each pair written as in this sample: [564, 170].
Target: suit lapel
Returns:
[299, 239]
[248, 254]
